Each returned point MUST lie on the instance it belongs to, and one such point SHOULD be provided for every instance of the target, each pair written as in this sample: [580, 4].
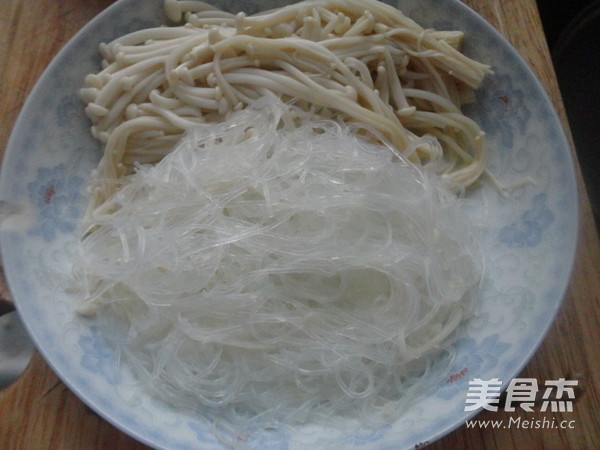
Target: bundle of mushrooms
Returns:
[353, 60]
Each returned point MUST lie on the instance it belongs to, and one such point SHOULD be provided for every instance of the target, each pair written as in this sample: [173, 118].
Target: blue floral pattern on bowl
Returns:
[55, 195]
[527, 231]
[505, 113]
[529, 241]
[98, 357]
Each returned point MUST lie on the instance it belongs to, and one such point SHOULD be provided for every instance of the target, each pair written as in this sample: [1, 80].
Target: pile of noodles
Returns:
[281, 266]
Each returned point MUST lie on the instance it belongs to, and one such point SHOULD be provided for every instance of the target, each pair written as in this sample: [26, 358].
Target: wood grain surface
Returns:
[39, 412]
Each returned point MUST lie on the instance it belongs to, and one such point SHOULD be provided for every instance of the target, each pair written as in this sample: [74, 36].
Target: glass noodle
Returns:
[280, 264]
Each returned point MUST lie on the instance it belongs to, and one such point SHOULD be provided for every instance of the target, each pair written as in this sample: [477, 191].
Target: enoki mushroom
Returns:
[355, 61]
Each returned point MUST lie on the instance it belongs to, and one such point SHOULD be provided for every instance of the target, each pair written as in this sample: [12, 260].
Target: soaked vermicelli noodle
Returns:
[283, 266]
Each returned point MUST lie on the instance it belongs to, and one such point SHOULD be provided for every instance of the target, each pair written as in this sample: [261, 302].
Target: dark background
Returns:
[572, 29]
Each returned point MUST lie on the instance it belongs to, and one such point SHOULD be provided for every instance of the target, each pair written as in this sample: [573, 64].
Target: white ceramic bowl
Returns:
[529, 237]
